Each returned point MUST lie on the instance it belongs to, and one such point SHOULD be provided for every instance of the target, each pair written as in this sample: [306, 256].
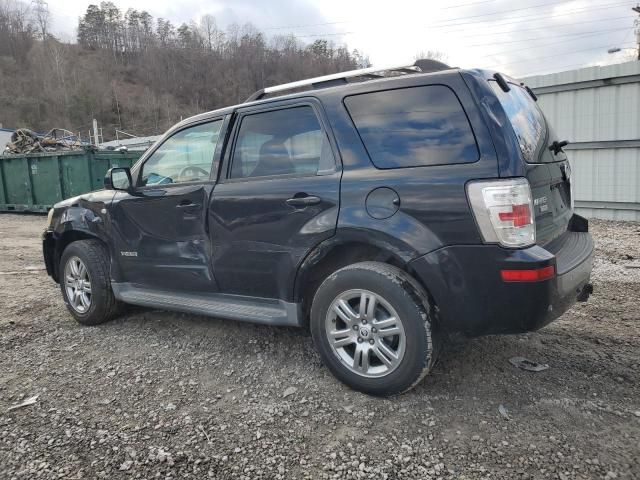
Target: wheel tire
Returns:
[94, 256]
[403, 294]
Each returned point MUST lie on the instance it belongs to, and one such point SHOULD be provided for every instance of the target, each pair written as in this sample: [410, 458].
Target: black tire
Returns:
[103, 305]
[410, 302]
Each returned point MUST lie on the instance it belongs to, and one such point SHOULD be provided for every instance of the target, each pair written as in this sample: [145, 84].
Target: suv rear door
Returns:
[277, 197]
[548, 172]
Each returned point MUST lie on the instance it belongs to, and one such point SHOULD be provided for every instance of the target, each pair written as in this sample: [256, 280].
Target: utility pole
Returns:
[95, 132]
[637, 25]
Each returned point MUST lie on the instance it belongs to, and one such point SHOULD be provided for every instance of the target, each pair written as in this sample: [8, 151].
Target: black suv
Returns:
[382, 209]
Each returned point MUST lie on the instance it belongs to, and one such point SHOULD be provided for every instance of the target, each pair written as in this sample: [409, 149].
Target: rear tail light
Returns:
[503, 211]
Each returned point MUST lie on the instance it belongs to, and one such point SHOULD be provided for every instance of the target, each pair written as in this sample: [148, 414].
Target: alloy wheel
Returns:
[365, 333]
[77, 284]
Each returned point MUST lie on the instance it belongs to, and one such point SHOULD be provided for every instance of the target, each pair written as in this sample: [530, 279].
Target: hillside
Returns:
[136, 73]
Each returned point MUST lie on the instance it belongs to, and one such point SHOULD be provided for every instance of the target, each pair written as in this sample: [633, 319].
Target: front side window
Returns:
[186, 156]
[281, 142]
[525, 117]
[413, 127]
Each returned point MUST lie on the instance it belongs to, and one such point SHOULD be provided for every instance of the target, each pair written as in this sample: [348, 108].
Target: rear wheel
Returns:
[85, 282]
[372, 326]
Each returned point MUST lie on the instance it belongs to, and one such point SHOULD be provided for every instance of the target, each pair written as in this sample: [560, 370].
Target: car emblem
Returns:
[364, 332]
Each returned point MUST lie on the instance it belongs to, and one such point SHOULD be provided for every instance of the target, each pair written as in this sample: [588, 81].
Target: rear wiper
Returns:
[556, 146]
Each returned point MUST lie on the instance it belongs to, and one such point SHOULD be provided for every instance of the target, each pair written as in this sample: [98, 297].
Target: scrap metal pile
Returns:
[24, 140]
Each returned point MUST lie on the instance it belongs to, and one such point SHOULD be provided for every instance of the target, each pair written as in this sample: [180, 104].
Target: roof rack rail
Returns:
[335, 79]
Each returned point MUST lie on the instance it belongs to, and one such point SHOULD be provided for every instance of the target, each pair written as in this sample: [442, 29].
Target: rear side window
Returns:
[525, 117]
[281, 142]
[413, 127]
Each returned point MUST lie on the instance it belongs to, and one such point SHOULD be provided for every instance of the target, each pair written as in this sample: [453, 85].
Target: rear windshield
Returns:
[526, 119]
[413, 127]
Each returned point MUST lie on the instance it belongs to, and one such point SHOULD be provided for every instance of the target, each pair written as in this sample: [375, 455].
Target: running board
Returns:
[233, 307]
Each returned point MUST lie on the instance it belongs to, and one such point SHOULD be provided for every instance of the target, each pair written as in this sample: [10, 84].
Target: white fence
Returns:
[598, 110]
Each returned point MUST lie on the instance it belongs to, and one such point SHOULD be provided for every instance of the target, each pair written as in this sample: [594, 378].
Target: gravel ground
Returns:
[165, 395]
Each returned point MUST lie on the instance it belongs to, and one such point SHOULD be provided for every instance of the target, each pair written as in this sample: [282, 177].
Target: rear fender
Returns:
[358, 245]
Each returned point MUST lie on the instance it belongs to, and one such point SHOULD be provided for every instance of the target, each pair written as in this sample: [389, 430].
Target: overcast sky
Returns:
[518, 37]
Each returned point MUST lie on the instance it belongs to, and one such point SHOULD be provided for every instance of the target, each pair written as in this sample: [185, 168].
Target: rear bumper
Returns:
[472, 298]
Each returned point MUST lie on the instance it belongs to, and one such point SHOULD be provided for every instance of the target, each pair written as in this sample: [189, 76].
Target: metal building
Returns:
[133, 144]
[598, 110]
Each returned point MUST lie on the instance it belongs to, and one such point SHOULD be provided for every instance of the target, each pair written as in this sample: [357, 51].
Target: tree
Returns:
[42, 17]
[16, 31]
[209, 29]
[431, 55]
[165, 32]
[133, 72]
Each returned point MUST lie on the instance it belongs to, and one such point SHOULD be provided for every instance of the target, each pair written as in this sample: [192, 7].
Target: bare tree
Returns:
[133, 72]
[16, 30]
[41, 17]
[431, 55]
[210, 32]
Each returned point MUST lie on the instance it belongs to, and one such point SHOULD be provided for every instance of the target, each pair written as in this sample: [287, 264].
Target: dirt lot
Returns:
[163, 395]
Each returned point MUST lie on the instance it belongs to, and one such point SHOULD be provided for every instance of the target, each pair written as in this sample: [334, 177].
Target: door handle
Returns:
[301, 202]
[188, 205]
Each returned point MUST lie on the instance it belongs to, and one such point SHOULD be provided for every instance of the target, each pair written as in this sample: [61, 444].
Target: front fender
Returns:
[75, 219]
[80, 220]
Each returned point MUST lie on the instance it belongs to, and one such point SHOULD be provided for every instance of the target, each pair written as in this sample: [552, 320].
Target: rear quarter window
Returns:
[413, 127]
[526, 119]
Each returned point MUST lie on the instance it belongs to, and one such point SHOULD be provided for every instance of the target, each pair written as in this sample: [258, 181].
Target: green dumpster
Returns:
[34, 182]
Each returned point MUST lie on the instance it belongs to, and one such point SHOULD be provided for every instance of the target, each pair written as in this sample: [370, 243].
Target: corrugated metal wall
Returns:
[598, 110]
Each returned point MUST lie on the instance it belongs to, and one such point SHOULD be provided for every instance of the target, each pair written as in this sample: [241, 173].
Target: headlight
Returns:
[49, 218]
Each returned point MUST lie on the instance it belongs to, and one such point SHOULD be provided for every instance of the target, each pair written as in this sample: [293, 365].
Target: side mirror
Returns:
[118, 178]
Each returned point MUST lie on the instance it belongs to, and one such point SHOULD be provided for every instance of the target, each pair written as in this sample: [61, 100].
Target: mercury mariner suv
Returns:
[380, 208]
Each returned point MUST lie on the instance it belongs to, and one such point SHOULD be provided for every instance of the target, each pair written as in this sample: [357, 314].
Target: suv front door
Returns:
[160, 231]
[277, 198]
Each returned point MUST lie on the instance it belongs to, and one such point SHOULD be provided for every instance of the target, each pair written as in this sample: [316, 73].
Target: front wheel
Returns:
[372, 325]
[85, 282]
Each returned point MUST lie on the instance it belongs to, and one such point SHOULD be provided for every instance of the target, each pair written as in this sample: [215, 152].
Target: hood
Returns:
[98, 196]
